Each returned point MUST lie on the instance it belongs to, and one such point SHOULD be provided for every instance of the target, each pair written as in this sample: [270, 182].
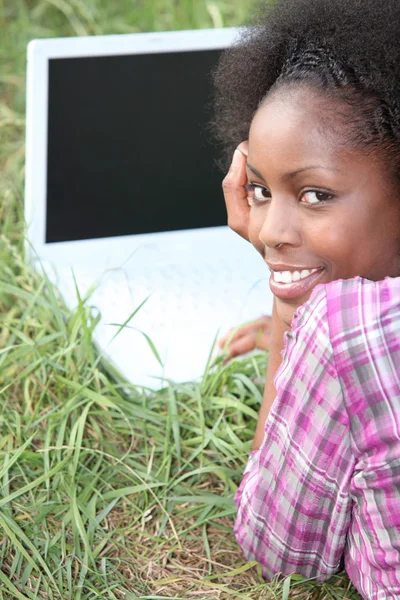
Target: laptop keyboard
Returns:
[186, 308]
[174, 290]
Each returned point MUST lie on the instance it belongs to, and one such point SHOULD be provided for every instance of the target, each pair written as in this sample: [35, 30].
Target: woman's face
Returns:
[320, 211]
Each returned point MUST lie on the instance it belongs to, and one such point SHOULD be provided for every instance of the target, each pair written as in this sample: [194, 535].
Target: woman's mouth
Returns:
[294, 283]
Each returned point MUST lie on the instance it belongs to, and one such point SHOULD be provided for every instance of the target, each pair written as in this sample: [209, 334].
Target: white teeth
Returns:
[286, 277]
[291, 276]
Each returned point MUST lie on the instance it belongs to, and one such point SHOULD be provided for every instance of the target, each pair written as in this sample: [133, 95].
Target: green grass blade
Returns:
[33, 484]
[16, 455]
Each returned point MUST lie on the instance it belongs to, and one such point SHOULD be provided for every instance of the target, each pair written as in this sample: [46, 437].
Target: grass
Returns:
[107, 491]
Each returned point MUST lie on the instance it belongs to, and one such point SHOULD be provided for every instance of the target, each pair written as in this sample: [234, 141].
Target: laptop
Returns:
[123, 197]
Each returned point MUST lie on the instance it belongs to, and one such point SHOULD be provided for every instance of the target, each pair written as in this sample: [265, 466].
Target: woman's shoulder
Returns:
[346, 300]
[359, 304]
[363, 323]
[352, 313]
[347, 293]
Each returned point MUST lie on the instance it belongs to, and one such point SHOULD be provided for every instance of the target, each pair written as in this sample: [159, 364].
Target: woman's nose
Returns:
[281, 225]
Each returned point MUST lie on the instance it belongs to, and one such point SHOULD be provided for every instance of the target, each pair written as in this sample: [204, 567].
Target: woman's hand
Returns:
[256, 334]
[233, 185]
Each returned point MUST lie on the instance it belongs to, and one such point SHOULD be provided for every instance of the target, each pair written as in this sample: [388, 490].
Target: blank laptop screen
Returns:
[129, 148]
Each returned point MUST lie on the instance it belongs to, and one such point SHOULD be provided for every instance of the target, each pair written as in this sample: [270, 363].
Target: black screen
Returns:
[129, 147]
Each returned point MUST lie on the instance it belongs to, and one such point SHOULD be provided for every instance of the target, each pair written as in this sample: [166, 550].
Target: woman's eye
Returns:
[257, 193]
[315, 197]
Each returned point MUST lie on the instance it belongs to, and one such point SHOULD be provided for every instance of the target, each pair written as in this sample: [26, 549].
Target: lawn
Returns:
[107, 491]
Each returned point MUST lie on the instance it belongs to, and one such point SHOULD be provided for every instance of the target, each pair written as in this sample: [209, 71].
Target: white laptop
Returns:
[122, 190]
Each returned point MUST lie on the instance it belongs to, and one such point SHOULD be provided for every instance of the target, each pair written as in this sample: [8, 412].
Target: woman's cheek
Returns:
[332, 242]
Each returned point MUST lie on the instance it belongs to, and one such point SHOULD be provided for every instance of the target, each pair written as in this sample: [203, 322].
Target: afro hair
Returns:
[348, 47]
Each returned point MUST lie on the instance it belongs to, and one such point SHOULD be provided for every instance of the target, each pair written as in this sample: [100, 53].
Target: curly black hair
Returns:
[350, 49]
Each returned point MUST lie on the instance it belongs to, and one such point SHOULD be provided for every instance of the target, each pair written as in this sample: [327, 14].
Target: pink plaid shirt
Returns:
[325, 484]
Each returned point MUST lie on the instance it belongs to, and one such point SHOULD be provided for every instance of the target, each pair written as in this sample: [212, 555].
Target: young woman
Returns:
[314, 88]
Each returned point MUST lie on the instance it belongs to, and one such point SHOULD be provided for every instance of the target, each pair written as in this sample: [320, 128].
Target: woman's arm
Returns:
[294, 505]
[238, 210]
[274, 360]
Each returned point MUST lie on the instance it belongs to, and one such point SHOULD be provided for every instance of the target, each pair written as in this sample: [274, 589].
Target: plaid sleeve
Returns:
[294, 505]
[364, 319]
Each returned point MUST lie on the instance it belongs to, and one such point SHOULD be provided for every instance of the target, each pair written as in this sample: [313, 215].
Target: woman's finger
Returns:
[263, 325]
[247, 343]
[235, 193]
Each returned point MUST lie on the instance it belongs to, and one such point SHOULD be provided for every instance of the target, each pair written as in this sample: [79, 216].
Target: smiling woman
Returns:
[310, 213]
[314, 90]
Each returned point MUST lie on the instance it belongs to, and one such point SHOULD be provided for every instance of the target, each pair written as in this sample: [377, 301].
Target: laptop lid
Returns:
[118, 141]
